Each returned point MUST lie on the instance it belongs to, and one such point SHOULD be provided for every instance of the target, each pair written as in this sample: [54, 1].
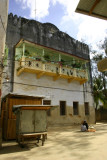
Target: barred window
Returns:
[86, 105]
[62, 107]
[75, 108]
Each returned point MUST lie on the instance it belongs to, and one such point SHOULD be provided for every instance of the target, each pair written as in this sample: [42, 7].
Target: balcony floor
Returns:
[55, 76]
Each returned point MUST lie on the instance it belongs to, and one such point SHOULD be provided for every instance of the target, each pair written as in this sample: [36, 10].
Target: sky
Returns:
[62, 14]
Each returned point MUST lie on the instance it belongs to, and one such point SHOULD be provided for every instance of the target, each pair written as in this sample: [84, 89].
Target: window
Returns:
[47, 102]
[75, 108]
[86, 104]
[62, 108]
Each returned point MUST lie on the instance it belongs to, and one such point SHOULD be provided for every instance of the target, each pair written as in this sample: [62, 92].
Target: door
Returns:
[27, 121]
[40, 121]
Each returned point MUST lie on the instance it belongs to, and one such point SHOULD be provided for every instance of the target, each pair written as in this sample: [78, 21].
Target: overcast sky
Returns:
[62, 14]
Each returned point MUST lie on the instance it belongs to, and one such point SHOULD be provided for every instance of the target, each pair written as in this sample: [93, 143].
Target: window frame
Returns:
[76, 112]
[86, 109]
[62, 112]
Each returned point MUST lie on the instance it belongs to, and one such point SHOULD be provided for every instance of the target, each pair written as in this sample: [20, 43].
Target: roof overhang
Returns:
[95, 8]
[39, 46]
[12, 94]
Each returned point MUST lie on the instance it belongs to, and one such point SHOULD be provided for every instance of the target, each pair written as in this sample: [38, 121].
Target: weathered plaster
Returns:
[60, 90]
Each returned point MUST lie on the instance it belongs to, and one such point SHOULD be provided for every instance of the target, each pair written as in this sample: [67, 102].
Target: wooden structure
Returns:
[54, 67]
[8, 117]
[37, 136]
[95, 8]
[31, 122]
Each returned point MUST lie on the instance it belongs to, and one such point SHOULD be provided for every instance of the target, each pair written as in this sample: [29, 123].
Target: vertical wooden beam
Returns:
[59, 57]
[0, 132]
[23, 49]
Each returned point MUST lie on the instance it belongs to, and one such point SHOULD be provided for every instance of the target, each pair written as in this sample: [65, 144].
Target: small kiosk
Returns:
[31, 122]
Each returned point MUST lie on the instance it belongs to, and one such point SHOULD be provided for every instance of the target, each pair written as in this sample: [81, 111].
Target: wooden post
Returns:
[23, 49]
[59, 57]
[0, 133]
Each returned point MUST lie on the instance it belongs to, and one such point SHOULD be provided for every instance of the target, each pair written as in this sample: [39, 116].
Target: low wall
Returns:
[101, 115]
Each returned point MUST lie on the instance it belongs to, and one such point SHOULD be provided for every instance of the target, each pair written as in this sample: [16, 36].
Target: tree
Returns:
[104, 46]
[98, 91]
[99, 79]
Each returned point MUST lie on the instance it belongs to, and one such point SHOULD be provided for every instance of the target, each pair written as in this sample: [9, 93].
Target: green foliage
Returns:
[99, 79]
[63, 62]
[27, 53]
[97, 90]
[47, 57]
[104, 46]
[5, 55]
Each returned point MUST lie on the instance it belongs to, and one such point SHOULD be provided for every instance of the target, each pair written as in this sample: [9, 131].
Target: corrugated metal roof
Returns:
[95, 8]
[15, 107]
[23, 95]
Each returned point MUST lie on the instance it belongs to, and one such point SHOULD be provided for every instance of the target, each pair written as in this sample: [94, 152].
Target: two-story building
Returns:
[44, 61]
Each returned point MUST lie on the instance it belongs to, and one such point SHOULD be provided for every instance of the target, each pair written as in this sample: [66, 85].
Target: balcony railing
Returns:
[51, 69]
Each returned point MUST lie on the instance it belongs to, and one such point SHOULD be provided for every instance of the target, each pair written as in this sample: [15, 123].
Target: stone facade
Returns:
[45, 34]
[48, 35]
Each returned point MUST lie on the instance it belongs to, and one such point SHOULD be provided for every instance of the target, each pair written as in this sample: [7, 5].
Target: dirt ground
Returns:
[63, 143]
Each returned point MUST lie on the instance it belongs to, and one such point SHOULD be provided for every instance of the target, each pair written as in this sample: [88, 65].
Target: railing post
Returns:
[86, 74]
[43, 66]
[60, 69]
[74, 73]
[23, 61]
[23, 49]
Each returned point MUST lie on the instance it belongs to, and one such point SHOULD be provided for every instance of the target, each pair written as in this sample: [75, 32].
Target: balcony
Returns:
[52, 69]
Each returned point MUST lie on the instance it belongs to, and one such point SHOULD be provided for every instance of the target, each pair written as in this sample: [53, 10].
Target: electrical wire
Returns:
[48, 87]
[2, 24]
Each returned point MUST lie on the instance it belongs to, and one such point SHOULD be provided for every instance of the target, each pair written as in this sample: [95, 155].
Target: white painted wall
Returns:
[56, 91]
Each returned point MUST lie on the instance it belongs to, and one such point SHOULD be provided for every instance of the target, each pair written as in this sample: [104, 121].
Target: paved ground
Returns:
[66, 143]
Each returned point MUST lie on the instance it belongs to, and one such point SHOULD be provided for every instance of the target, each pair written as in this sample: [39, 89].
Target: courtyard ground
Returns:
[63, 143]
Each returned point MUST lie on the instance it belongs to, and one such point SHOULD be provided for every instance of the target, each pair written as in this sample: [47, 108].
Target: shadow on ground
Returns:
[61, 141]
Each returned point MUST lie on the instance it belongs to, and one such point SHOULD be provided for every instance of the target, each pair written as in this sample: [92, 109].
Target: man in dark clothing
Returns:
[86, 124]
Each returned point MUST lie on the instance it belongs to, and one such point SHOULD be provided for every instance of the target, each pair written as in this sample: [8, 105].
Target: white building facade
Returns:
[43, 71]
